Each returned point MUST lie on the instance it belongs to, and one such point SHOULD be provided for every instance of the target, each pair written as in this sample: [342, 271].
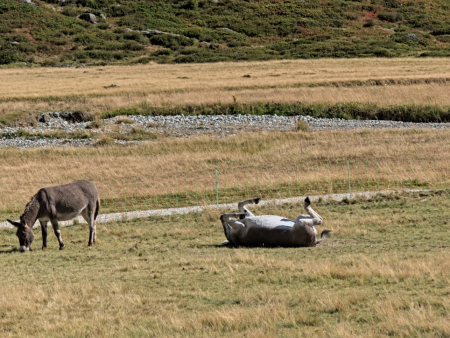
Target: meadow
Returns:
[380, 81]
[383, 273]
[175, 172]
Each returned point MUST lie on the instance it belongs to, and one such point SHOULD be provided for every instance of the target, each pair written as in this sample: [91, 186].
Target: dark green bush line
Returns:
[136, 134]
[48, 135]
[362, 111]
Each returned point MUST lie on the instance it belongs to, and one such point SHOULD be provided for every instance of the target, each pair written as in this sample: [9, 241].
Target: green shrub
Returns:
[144, 60]
[171, 41]
[192, 4]
[369, 23]
[136, 36]
[184, 59]
[390, 16]
[8, 55]
[104, 141]
[162, 52]
[133, 46]
[301, 125]
[441, 31]
[71, 11]
[95, 124]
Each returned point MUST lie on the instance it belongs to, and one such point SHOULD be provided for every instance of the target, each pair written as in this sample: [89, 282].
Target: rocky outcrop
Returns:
[71, 117]
[88, 17]
[29, 2]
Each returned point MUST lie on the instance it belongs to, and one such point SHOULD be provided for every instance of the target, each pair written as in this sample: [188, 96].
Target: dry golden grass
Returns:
[163, 85]
[178, 172]
[384, 272]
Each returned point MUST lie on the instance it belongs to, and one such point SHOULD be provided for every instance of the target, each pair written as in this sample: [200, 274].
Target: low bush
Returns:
[9, 55]
[95, 124]
[390, 16]
[171, 41]
[162, 52]
[104, 141]
[301, 125]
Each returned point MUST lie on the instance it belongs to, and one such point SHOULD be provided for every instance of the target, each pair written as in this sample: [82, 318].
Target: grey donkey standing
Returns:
[58, 203]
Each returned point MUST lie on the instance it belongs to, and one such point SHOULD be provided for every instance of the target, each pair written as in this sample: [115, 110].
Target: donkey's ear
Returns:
[16, 224]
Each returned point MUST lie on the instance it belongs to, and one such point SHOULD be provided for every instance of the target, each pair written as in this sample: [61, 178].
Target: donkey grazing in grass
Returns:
[58, 203]
[271, 231]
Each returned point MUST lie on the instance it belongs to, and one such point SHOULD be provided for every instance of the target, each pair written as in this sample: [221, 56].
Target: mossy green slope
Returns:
[52, 34]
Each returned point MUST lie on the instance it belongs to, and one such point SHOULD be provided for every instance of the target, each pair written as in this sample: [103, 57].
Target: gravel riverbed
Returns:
[187, 126]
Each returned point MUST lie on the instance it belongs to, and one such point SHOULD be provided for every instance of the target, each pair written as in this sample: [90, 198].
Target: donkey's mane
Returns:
[29, 204]
[31, 210]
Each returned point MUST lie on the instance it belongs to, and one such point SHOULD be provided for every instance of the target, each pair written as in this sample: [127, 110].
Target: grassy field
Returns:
[179, 172]
[329, 81]
[384, 272]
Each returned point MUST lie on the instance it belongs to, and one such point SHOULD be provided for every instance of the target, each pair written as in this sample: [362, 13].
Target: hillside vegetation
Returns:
[50, 33]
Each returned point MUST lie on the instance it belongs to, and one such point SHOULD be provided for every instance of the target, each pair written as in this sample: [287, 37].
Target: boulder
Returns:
[71, 117]
[88, 17]
[29, 2]
[151, 32]
[412, 36]
[75, 117]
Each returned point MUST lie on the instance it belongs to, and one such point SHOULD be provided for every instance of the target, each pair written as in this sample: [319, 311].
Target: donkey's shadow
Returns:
[13, 249]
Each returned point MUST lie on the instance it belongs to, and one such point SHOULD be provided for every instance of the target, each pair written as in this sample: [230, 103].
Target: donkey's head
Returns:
[25, 234]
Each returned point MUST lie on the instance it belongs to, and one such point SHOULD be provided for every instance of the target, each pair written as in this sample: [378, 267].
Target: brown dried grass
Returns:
[43, 89]
[173, 172]
[167, 277]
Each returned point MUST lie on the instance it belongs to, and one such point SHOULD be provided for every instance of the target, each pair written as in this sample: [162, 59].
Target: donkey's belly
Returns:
[68, 216]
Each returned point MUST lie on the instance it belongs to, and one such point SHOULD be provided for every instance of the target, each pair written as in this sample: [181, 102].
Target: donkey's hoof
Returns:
[307, 200]
[256, 200]
[61, 247]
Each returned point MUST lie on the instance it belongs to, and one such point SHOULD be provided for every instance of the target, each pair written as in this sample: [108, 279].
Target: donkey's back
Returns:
[67, 201]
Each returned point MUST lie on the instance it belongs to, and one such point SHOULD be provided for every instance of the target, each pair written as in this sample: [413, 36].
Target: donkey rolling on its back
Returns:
[271, 230]
[58, 203]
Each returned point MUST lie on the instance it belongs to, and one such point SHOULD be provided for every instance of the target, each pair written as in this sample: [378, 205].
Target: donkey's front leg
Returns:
[57, 232]
[44, 234]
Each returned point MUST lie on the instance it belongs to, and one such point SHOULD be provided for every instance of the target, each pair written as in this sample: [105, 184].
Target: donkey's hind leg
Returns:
[242, 204]
[236, 225]
[88, 215]
[312, 218]
[232, 228]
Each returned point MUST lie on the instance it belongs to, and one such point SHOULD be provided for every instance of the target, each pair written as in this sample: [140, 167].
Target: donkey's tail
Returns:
[97, 208]
[324, 234]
